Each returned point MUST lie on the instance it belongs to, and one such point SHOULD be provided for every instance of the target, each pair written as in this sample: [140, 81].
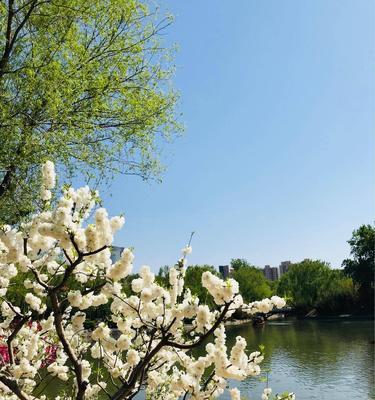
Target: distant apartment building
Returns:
[271, 273]
[284, 266]
[224, 271]
[116, 253]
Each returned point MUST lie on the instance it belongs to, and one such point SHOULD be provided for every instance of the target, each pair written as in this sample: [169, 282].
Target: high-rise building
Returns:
[116, 253]
[284, 266]
[224, 271]
[271, 273]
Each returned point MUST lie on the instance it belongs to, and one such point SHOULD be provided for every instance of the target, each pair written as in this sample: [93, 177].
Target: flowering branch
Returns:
[58, 322]
[206, 335]
[147, 345]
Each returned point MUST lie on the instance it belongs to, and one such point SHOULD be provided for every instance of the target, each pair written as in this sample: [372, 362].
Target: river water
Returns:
[322, 360]
[317, 360]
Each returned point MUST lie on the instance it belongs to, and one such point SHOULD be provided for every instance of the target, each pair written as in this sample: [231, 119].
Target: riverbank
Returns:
[351, 317]
[291, 316]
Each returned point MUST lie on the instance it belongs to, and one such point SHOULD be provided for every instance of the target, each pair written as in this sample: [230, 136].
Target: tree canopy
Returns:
[237, 263]
[361, 267]
[253, 284]
[312, 284]
[84, 84]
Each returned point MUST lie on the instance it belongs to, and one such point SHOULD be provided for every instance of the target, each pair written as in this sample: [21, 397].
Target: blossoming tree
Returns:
[65, 264]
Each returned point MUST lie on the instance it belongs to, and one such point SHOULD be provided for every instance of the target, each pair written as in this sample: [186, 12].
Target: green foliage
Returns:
[84, 84]
[236, 263]
[253, 284]
[342, 296]
[313, 284]
[272, 285]
[361, 268]
[162, 278]
[16, 291]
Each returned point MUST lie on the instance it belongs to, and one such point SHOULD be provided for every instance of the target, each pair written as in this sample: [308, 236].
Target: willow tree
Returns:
[82, 83]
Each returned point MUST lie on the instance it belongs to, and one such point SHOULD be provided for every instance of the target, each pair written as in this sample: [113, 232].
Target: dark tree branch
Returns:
[12, 385]
[7, 180]
[10, 39]
[13, 335]
[81, 384]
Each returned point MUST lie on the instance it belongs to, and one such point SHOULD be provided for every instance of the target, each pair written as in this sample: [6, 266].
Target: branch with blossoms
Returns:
[65, 264]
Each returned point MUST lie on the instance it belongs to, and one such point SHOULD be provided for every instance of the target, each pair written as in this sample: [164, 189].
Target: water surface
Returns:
[322, 360]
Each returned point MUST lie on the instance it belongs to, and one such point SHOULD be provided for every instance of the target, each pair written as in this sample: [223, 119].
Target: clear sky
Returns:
[277, 159]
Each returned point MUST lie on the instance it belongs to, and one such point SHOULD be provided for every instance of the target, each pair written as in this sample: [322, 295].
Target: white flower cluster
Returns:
[235, 394]
[222, 291]
[34, 302]
[122, 268]
[49, 180]
[286, 396]
[264, 306]
[7, 272]
[65, 264]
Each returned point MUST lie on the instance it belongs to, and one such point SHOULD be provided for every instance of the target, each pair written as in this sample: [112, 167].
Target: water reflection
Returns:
[325, 360]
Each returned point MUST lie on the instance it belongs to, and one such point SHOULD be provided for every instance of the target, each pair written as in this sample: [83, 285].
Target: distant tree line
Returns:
[314, 285]
[308, 285]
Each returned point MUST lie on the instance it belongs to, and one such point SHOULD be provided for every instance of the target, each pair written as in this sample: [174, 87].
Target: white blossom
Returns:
[62, 257]
[235, 394]
[33, 301]
[122, 268]
[48, 175]
[132, 357]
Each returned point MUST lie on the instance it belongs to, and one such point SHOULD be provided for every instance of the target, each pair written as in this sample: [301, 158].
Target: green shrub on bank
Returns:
[312, 284]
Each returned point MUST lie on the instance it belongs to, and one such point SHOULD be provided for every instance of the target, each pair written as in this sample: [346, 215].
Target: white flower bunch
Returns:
[49, 180]
[286, 396]
[222, 291]
[264, 306]
[143, 343]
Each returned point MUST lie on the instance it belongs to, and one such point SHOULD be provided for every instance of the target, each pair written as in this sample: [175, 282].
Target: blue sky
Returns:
[277, 159]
